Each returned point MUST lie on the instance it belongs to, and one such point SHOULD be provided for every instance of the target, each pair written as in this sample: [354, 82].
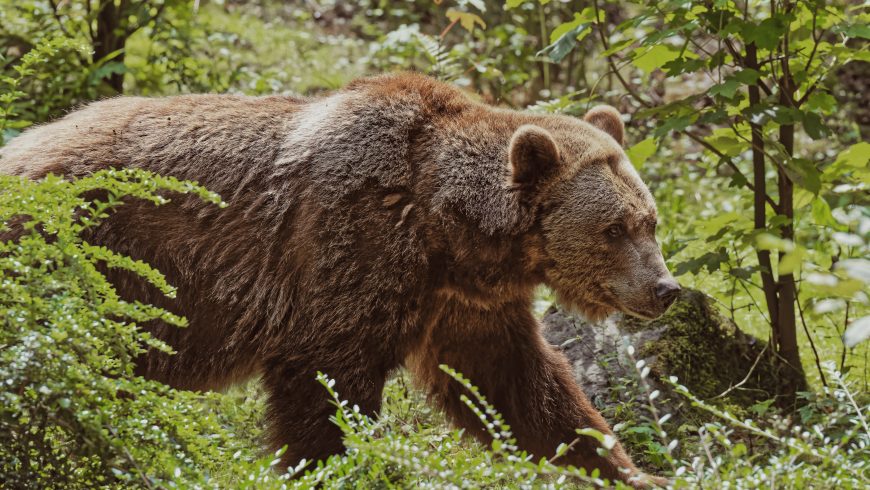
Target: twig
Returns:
[851, 399]
[89, 20]
[810, 338]
[816, 40]
[56, 15]
[845, 325]
[745, 379]
[570, 446]
[752, 298]
[728, 161]
[610, 62]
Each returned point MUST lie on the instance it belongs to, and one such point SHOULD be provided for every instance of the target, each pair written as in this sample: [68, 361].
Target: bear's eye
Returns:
[614, 231]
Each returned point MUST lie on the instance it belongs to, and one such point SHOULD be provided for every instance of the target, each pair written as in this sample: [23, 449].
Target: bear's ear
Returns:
[534, 156]
[607, 119]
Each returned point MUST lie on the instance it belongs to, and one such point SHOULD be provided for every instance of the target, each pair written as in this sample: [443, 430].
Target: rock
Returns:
[692, 341]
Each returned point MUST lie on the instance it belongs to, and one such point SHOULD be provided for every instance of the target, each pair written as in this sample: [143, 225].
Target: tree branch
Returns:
[725, 158]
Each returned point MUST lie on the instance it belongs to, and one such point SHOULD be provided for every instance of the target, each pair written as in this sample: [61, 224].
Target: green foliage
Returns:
[380, 454]
[72, 413]
[16, 110]
[765, 72]
[827, 448]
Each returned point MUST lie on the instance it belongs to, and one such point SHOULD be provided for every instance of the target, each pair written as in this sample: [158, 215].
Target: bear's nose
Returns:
[667, 291]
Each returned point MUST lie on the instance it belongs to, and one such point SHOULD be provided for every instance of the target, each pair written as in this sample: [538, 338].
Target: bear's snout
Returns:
[667, 290]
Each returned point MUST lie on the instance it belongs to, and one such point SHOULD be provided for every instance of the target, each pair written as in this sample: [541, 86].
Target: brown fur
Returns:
[392, 223]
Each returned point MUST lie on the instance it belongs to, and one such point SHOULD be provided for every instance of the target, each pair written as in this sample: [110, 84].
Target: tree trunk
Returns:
[111, 36]
[779, 293]
[788, 346]
[787, 325]
[760, 200]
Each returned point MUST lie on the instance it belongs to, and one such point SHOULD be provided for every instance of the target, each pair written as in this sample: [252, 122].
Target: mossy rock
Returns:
[692, 341]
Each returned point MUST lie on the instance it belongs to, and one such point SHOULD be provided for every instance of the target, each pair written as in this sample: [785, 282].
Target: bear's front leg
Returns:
[528, 381]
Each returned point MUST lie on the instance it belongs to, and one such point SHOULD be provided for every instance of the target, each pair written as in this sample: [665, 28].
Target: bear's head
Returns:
[597, 218]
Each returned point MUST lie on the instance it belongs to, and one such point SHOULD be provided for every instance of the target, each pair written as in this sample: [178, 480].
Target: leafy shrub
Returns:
[72, 412]
[47, 92]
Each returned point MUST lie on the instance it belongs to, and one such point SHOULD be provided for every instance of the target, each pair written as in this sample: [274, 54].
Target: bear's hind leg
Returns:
[299, 407]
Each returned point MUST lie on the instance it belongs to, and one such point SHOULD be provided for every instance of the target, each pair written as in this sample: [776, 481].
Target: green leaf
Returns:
[741, 272]
[617, 47]
[814, 126]
[857, 332]
[655, 57]
[821, 213]
[767, 241]
[565, 43]
[20, 124]
[717, 222]
[767, 34]
[733, 82]
[723, 139]
[712, 261]
[791, 260]
[725, 89]
[746, 76]
[673, 124]
[512, 4]
[682, 65]
[584, 17]
[857, 155]
[857, 30]
[807, 175]
[821, 101]
[639, 153]
[466, 19]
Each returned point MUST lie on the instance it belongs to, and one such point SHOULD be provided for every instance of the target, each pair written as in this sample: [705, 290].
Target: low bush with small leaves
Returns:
[72, 414]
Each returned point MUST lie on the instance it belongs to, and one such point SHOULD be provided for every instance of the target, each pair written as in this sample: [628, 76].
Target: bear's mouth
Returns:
[638, 314]
[618, 305]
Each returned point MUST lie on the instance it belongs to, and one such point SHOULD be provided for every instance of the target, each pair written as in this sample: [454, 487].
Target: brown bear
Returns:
[393, 223]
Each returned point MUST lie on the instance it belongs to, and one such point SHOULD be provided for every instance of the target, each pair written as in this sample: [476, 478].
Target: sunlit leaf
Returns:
[639, 153]
[767, 241]
[857, 268]
[857, 155]
[857, 332]
[566, 42]
[791, 261]
[466, 19]
[648, 59]
[580, 18]
[821, 213]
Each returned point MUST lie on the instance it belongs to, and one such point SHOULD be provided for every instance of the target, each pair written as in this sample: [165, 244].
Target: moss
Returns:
[707, 352]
